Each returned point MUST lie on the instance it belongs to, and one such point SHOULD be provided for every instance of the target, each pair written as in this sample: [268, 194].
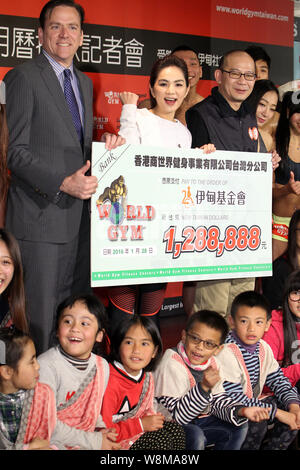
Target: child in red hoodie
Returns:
[128, 403]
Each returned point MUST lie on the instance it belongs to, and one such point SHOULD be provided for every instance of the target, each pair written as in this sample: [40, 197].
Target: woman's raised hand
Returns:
[129, 98]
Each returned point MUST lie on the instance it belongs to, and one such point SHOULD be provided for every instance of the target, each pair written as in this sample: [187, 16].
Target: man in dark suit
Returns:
[49, 159]
[224, 119]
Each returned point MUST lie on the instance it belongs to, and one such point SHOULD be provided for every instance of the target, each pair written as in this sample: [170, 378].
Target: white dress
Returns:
[140, 126]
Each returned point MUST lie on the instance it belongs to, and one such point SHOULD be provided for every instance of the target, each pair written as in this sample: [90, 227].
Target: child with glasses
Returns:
[284, 333]
[189, 388]
[248, 366]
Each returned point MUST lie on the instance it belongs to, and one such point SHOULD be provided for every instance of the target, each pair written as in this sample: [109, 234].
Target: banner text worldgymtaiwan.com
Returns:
[251, 13]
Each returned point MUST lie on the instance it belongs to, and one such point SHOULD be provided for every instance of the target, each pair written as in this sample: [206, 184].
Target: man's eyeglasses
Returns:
[294, 296]
[207, 344]
[249, 76]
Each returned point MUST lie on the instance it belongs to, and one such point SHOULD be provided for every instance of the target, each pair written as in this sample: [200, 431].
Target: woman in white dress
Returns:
[169, 85]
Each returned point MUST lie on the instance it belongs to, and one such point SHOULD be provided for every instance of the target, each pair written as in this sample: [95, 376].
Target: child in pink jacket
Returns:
[284, 333]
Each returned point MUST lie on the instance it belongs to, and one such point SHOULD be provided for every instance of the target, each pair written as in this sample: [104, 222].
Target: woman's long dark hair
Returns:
[292, 284]
[261, 87]
[15, 292]
[289, 326]
[292, 247]
[289, 106]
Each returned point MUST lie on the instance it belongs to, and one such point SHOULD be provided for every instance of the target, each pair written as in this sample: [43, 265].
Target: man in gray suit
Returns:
[49, 160]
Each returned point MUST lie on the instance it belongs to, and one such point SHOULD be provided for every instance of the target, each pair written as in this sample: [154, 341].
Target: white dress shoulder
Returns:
[140, 126]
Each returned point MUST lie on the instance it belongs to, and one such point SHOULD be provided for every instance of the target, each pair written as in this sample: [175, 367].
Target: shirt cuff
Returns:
[57, 197]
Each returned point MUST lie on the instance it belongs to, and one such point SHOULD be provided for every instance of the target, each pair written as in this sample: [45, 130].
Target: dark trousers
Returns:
[52, 271]
[267, 435]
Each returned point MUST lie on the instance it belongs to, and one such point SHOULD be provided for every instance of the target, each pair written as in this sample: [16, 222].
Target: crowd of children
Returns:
[215, 387]
[220, 386]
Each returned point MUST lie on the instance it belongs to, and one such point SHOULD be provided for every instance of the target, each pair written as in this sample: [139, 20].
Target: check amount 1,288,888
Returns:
[208, 238]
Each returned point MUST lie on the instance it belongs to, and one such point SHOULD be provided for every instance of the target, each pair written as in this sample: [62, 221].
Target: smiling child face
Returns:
[199, 353]
[78, 330]
[137, 349]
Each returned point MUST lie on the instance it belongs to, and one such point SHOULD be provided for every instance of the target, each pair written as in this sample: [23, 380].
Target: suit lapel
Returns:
[52, 84]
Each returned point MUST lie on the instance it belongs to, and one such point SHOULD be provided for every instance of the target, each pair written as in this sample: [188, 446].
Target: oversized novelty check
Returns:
[163, 215]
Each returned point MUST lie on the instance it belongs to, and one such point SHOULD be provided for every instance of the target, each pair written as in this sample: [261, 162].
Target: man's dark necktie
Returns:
[72, 103]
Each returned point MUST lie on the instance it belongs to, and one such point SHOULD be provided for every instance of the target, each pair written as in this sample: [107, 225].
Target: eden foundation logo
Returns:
[187, 199]
[112, 206]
